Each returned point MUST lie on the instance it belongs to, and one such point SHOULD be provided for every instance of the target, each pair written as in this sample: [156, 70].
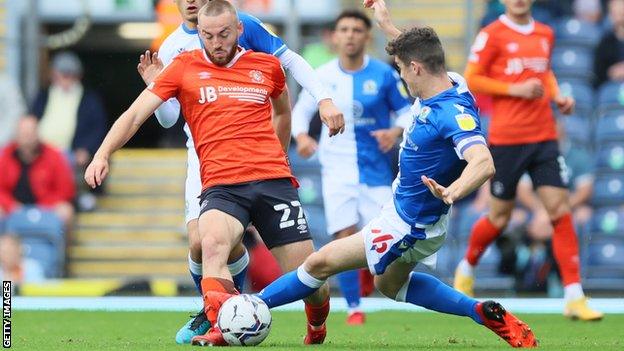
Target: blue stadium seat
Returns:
[610, 96]
[608, 221]
[575, 32]
[582, 92]
[573, 61]
[578, 130]
[42, 236]
[310, 189]
[318, 225]
[610, 157]
[606, 258]
[608, 190]
[610, 127]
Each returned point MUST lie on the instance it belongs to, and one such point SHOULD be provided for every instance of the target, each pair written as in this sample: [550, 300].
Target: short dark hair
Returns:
[420, 44]
[217, 7]
[357, 14]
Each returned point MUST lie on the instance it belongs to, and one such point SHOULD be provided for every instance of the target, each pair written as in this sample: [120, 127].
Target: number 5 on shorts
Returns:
[285, 222]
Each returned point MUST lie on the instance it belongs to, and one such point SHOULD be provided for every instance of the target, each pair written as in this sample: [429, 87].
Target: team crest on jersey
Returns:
[513, 47]
[466, 122]
[256, 76]
[424, 112]
[370, 87]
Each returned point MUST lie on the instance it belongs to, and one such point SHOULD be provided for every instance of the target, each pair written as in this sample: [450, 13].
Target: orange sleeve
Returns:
[480, 83]
[167, 83]
[279, 80]
[551, 85]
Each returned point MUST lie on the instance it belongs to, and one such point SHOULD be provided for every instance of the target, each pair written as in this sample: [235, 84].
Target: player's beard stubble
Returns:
[219, 59]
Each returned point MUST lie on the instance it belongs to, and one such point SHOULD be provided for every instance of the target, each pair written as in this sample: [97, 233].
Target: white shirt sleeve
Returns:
[302, 113]
[304, 74]
[405, 118]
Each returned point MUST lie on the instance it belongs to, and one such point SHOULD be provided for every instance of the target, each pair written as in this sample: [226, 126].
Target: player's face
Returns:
[518, 7]
[350, 37]
[409, 74]
[220, 36]
[189, 8]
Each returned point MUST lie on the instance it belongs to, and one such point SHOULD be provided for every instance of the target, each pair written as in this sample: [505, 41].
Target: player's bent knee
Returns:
[317, 265]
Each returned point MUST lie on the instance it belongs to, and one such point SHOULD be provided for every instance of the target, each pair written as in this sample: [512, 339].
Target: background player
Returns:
[257, 37]
[510, 60]
[356, 168]
[412, 227]
[244, 169]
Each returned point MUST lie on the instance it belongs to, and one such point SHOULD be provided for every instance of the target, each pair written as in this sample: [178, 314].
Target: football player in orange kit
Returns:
[510, 60]
[226, 94]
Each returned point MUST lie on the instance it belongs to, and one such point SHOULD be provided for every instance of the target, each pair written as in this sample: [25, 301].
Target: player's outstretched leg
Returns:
[431, 293]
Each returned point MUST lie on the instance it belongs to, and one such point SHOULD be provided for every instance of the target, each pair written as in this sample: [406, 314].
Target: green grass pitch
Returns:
[94, 331]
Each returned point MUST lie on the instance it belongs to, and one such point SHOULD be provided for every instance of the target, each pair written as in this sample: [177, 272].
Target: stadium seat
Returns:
[606, 258]
[571, 31]
[42, 236]
[610, 157]
[608, 221]
[610, 96]
[576, 61]
[608, 189]
[310, 188]
[610, 127]
[582, 92]
[578, 130]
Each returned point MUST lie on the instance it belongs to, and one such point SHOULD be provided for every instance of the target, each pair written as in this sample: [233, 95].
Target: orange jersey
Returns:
[229, 114]
[509, 53]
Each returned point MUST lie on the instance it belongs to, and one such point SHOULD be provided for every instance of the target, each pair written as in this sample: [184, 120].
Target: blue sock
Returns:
[196, 273]
[290, 287]
[349, 282]
[427, 291]
[238, 270]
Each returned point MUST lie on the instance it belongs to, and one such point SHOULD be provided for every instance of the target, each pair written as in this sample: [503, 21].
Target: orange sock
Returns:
[565, 248]
[216, 291]
[482, 235]
[317, 314]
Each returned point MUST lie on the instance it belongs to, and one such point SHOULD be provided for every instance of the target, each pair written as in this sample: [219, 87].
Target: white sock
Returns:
[194, 267]
[239, 265]
[573, 292]
[465, 268]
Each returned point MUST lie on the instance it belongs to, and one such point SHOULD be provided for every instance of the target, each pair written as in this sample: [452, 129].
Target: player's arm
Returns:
[479, 82]
[565, 104]
[304, 110]
[480, 168]
[382, 17]
[119, 134]
[282, 118]
[150, 65]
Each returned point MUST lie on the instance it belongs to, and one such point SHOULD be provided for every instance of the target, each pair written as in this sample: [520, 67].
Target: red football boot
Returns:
[316, 335]
[506, 325]
[212, 338]
[356, 318]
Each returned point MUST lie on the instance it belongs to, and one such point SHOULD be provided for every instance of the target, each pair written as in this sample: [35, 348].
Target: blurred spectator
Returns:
[72, 117]
[544, 11]
[35, 173]
[319, 53]
[12, 107]
[587, 10]
[609, 55]
[14, 266]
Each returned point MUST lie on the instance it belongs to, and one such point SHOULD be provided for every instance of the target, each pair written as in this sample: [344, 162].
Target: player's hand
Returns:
[149, 66]
[331, 117]
[438, 190]
[306, 145]
[96, 171]
[565, 104]
[531, 88]
[387, 138]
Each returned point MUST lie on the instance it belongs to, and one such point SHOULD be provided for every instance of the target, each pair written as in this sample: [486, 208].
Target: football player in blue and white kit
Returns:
[256, 36]
[356, 168]
[443, 158]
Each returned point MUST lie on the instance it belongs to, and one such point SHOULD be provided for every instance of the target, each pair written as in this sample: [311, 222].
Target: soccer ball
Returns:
[244, 320]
